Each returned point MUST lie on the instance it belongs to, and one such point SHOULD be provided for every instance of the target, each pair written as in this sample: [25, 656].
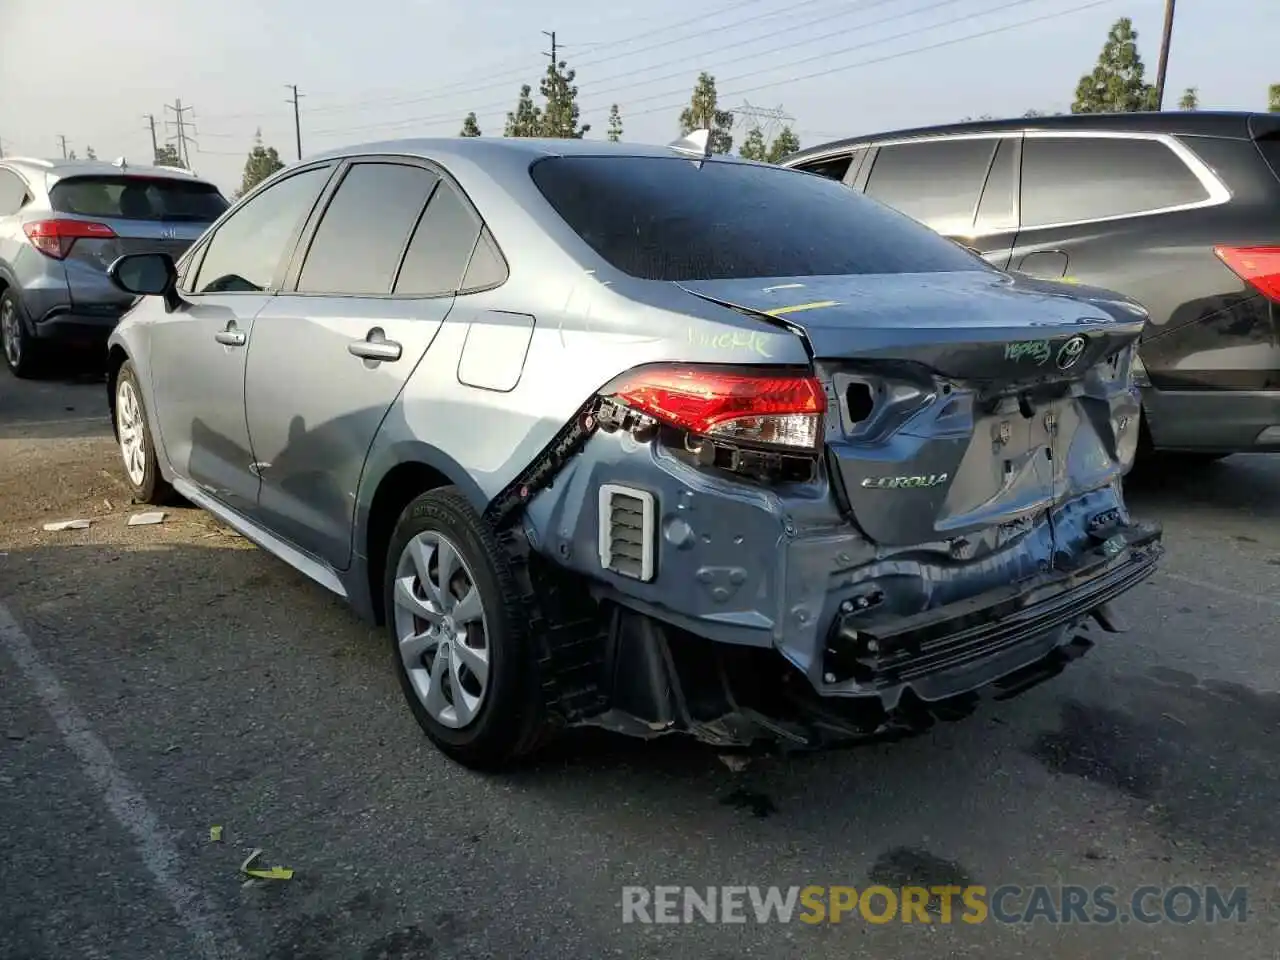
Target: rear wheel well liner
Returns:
[396, 489]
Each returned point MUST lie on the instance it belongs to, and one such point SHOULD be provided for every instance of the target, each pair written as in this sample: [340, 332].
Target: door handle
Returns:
[231, 337]
[375, 347]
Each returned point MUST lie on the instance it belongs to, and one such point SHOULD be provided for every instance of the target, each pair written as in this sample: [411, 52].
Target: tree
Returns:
[470, 126]
[1274, 98]
[526, 119]
[167, 156]
[753, 146]
[702, 113]
[784, 144]
[615, 124]
[1117, 84]
[71, 155]
[560, 112]
[89, 154]
[1190, 99]
[263, 161]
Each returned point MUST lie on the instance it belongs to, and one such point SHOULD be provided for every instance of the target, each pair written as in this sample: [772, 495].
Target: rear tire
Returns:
[21, 352]
[457, 630]
[133, 433]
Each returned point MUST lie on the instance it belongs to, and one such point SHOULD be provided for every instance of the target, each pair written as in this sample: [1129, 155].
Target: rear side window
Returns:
[363, 231]
[441, 246]
[936, 182]
[662, 218]
[138, 198]
[12, 193]
[1065, 180]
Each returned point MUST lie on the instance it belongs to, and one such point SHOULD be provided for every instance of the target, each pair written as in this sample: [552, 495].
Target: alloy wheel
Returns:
[130, 426]
[10, 333]
[441, 629]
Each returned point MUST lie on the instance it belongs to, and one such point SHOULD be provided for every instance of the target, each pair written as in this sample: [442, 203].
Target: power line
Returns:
[151, 125]
[894, 56]
[631, 76]
[62, 141]
[590, 94]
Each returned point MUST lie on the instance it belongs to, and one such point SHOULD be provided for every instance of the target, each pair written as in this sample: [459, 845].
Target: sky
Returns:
[384, 69]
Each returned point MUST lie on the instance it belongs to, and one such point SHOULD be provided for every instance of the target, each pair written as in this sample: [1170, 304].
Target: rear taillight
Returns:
[1257, 266]
[54, 238]
[776, 409]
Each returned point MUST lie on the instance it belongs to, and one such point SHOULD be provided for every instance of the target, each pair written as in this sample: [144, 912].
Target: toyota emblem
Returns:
[1071, 351]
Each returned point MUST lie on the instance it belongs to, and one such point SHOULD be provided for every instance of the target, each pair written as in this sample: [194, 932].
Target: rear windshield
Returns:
[138, 198]
[671, 219]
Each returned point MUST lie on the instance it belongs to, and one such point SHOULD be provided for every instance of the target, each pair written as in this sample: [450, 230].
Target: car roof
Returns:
[1202, 123]
[477, 148]
[54, 170]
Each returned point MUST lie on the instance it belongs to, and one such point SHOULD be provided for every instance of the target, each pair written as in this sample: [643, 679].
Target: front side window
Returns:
[1072, 179]
[660, 218]
[936, 182]
[245, 253]
[363, 231]
[13, 192]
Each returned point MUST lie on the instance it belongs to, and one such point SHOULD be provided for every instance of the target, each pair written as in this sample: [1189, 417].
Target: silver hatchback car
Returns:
[642, 438]
[62, 224]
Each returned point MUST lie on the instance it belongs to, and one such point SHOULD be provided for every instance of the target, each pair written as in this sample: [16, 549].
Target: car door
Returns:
[198, 351]
[952, 184]
[370, 291]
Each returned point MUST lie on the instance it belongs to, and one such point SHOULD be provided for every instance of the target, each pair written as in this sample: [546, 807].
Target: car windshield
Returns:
[661, 218]
[138, 198]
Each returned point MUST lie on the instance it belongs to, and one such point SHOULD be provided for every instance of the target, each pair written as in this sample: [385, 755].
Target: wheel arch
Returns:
[401, 474]
[116, 358]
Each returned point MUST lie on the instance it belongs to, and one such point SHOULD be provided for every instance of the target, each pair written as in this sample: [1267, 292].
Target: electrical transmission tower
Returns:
[770, 121]
[183, 129]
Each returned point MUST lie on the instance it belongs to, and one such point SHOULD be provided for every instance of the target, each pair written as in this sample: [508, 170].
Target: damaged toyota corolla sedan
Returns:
[643, 438]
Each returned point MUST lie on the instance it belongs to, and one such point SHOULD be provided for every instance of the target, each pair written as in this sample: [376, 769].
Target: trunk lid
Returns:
[959, 402]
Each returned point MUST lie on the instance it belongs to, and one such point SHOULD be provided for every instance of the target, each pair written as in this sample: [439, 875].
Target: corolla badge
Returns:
[905, 483]
[1071, 351]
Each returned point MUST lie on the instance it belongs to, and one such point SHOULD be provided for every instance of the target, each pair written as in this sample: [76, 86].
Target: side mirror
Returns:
[147, 275]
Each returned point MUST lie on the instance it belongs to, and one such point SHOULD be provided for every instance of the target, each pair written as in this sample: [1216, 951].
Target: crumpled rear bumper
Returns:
[967, 644]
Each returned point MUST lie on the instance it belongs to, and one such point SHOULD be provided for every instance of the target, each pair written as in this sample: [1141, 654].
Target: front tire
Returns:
[133, 432]
[20, 351]
[458, 634]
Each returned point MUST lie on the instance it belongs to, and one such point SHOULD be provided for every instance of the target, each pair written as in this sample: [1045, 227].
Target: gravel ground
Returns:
[156, 681]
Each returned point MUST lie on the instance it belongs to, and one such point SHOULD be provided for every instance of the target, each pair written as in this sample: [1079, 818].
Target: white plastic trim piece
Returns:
[647, 509]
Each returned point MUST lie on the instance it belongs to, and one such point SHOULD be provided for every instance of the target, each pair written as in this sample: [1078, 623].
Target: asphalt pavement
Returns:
[158, 681]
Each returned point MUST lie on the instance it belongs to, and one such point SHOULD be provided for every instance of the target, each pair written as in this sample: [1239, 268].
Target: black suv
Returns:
[1180, 211]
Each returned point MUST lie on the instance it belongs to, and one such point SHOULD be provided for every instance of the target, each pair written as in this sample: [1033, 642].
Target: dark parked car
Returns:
[1180, 211]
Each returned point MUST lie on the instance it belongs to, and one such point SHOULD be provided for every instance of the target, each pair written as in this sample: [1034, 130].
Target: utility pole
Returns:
[297, 122]
[155, 146]
[181, 125]
[1164, 53]
[62, 140]
[554, 62]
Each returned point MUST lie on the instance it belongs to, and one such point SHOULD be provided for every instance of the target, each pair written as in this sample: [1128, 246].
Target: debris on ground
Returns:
[261, 873]
[215, 834]
[151, 516]
[735, 761]
[67, 525]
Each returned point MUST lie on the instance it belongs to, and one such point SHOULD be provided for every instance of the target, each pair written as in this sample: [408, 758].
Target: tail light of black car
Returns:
[762, 423]
[1257, 266]
[55, 238]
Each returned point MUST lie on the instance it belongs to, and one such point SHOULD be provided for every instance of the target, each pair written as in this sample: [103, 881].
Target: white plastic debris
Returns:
[67, 525]
[152, 516]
